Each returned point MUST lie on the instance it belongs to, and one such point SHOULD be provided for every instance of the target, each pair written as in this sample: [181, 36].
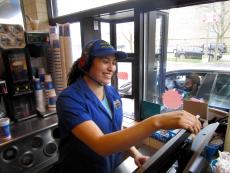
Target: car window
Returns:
[170, 80]
[206, 87]
[214, 87]
[179, 81]
[220, 96]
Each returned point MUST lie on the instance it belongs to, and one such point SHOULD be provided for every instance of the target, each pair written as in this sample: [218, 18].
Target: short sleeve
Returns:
[72, 111]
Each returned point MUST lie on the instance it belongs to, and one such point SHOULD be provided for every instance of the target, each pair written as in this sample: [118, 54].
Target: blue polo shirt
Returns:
[77, 104]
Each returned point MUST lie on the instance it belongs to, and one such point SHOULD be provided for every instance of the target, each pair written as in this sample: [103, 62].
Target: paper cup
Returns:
[37, 84]
[5, 129]
[34, 24]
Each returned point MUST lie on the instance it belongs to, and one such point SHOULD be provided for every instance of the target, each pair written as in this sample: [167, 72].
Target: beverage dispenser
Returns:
[16, 71]
[38, 44]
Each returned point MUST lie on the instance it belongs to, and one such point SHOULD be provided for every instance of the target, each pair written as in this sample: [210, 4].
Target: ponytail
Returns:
[79, 68]
[74, 73]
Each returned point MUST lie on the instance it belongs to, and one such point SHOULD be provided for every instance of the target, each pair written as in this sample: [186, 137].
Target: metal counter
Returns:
[33, 146]
[29, 127]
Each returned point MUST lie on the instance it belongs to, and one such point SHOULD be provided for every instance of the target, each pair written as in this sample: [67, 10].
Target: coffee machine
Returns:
[16, 71]
[37, 44]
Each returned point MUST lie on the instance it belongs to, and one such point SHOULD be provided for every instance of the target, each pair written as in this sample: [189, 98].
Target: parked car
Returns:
[221, 47]
[189, 52]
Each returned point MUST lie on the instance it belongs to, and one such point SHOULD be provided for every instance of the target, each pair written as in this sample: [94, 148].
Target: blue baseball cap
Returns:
[102, 48]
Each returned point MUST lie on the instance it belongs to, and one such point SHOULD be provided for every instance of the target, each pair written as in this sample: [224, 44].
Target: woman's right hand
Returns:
[177, 120]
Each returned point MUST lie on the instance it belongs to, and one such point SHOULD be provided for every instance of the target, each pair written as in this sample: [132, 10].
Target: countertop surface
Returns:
[37, 124]
[29, 127]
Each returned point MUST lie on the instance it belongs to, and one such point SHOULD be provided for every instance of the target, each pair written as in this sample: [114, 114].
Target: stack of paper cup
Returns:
[56, 59]
[52, 100]
[48, 86]
[50, 93]
[57, 67]
[48, 82]
[62, 56]
[68, 47]
[41, 74]
[39, 95]
[37, 84]
[5, 129]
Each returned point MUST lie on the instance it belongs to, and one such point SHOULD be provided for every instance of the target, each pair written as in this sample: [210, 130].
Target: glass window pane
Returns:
[221, 93]
[128, 108]
[125, 37]
[124, 75]
[206, 87]
[75, 31]
[66, 6]
[105, 31]
[196, 42]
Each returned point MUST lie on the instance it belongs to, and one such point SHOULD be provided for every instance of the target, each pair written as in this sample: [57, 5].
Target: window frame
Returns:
[139, 8]
[131, 56]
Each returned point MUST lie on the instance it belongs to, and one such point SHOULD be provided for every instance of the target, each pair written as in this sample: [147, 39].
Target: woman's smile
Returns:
[108, 75]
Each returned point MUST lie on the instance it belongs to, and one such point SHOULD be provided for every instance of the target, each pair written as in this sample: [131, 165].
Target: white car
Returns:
[214, 85]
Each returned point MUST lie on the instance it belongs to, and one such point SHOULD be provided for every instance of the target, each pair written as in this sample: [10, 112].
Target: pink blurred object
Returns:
[172, 99]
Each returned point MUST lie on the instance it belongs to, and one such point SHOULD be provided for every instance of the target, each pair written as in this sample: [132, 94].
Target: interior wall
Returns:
[37, 10]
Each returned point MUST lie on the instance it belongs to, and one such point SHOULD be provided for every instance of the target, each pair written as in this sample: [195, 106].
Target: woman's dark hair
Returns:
[74, 73]
[77, 71]
[83, 64]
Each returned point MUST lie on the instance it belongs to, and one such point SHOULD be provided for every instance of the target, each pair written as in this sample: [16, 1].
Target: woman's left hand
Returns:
[140, 159]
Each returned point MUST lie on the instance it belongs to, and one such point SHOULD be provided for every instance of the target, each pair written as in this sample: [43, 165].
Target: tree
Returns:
[128, 35]
[129, 38]
[219, 23]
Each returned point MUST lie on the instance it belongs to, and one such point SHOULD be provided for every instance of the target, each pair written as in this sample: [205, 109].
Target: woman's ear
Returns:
[82, 62]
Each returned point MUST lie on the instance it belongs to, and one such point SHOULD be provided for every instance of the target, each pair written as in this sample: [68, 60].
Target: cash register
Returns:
[179, 155]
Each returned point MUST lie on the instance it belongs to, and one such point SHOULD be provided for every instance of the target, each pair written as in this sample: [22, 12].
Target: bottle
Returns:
[41, 75]
[50, 93]
[39, 96]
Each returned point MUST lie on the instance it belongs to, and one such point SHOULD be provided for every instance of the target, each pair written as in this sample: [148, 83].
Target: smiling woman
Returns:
[10, 12]
[90, 116]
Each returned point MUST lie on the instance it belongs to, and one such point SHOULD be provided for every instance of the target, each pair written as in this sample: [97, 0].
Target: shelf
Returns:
[45, 114]
[23, 93]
